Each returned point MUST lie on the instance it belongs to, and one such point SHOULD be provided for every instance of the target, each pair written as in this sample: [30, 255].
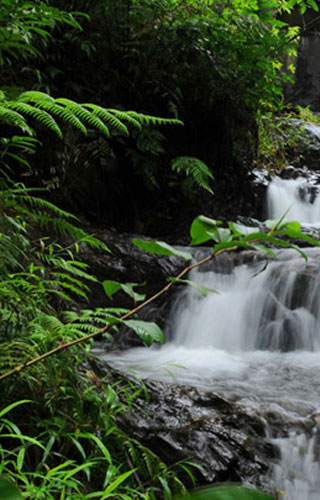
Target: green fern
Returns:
[17, 353]
[108, 117]
[35, 113]
[14, 119]
[153, 120]
[21, 199]
[153, 468]
[195, 169]
[42, 108]
[125, 116]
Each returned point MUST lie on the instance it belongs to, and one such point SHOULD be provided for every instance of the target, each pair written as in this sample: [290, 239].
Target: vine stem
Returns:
[102, 330]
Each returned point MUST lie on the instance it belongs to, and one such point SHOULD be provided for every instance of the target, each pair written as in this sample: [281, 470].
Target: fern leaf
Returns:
[35, 96]
[64, 113]
[17, 353]
[14, 119]
[82, 113]
[195, 169]
[153, 120]
[64, 276]
[126, 117]
[43, 101]
[72, 267]
[107, 117]
[68, 286]
[36, 113]
[41, 203]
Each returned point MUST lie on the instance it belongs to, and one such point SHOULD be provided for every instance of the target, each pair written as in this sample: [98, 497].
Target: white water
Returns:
[297, 198]
[256, 342]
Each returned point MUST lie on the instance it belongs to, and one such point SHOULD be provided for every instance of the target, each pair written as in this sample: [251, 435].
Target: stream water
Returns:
[257, 342]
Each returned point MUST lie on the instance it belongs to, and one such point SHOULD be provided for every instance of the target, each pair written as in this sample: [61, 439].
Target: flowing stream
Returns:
[256, 341]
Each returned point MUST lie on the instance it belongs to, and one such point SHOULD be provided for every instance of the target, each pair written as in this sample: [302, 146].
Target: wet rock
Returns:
[253, 194]
[126, 263]
[183, 423]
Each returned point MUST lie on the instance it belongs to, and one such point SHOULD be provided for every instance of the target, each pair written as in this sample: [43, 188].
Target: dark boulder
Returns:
[184, 423]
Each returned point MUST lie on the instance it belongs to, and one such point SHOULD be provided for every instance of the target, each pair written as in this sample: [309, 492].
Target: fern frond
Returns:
[17, 353]
[43, 108]
[107, 117]
[81, 112]
[40, 202]
[62, 112]
[14, 119]
[195, 169]
[35, 96]
[72, 288]
[43, 101]
[146, 459]
[125, 116]
[48, 322]
[64, 276]
[50, 215]
[37, 114]
[153, 120]
[71, 266]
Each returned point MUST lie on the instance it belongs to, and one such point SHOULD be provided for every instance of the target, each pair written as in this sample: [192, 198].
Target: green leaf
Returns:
[148, 332]
[263, 248]
[194, 168]
[295, 226]
[13, 405]
[228, 493]
[202, 228]
[256, 237]
[117, 482]
[314, 5]
[8, 491]
[202, 289]
[221, 235]
[160, 248]
[297, 235]
[303, 9]
[112, 287]
[20, 458]
[241, 229]
[24, 438]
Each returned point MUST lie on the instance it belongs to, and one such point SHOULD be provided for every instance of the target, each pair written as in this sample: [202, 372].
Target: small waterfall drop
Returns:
[296, 198]
[256, 341]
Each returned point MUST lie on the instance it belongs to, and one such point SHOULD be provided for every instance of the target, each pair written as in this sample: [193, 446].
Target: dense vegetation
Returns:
[216, 67]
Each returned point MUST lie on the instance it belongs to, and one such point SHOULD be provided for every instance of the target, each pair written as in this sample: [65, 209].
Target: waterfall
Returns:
[256, 341]
[299, 470]
[297, 198]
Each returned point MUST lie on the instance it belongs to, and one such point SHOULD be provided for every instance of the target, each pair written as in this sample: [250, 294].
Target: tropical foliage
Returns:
[220, 67]
[60, 436]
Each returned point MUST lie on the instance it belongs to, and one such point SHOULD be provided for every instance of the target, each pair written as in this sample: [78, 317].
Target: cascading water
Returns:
[296, 198]
[257, 342]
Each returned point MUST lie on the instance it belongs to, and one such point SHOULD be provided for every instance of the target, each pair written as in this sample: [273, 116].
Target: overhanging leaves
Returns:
[112, 287]
[202, 229]
[161, 248]
[202, 289]
[148, 332]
